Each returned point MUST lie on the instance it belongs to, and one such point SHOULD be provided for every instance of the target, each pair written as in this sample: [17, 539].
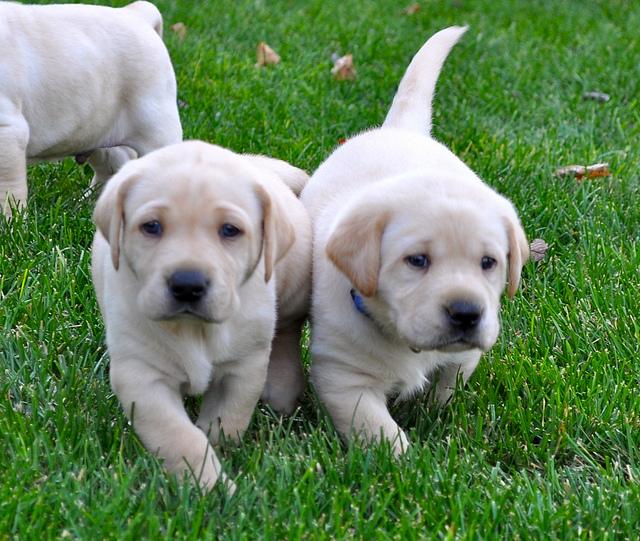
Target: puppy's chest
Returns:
[411, 375]
[196, 363]
[201, 357]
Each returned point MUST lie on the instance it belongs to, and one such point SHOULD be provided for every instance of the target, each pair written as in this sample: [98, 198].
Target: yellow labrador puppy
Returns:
[79, 80]
[194, 243]
[411, 255]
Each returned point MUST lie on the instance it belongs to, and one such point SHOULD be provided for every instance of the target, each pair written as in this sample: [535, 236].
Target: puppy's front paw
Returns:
[208, 472]
[400, 443]
[228, 484]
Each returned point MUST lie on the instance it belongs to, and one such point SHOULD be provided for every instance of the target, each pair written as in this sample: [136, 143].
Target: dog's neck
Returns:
[358, 302]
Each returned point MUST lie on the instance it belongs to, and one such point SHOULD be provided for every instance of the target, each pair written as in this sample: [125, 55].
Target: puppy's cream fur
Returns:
[386, 198]
[80, 80]
[219, 345]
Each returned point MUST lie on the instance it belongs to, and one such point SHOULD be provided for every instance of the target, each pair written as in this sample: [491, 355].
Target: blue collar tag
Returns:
[359, 303]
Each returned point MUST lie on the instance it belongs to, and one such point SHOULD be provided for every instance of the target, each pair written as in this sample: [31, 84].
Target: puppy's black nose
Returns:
[463, 315]
[188, 285]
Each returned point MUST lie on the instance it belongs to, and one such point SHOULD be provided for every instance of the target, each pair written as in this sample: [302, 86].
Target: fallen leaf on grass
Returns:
[343, 68]
[580, 171]
[266, 55]
[596, 96]
[180, 29]
[538, 249]
[413, 8]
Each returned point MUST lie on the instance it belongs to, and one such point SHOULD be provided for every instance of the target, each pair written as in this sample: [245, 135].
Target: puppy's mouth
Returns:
[187, 312]
[459, 345]
[450, 344]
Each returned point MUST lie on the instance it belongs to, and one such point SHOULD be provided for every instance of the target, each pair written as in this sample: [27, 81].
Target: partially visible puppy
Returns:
[79, 80]
[411, 255]
[194, 243]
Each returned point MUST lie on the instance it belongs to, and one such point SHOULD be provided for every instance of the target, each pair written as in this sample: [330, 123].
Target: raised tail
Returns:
[411, 107]
[149, 13]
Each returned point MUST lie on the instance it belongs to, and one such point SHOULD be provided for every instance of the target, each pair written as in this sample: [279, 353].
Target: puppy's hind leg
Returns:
[285, 380]
[14, 136]
[155, 128]
[106, 162]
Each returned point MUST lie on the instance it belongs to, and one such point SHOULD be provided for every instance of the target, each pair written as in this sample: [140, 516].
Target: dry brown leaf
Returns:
[596, 96]
[580, 171]
[343, 68]
[180, 30]
[266, 55]
[413, 8]
[538, 249]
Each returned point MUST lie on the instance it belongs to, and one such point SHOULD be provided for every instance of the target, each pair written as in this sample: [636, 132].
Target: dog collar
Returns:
[358, 302]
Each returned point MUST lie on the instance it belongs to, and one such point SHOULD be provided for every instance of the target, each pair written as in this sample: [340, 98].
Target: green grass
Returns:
[544, 441]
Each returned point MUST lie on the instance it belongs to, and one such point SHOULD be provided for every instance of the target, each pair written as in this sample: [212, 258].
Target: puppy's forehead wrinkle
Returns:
[449, 228]
[422, 194]
[425, 186]
[196, 194]
[155, 207]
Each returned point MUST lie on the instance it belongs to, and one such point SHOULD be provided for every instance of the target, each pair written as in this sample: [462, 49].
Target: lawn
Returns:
[544, 441]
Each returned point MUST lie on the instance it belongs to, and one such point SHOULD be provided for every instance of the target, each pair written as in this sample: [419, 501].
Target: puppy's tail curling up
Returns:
[411, 107]
[149, 13]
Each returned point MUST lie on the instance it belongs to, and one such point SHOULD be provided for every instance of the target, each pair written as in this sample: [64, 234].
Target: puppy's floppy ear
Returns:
[518, 251]
[354, 247]
[278, 234]
[109, 212]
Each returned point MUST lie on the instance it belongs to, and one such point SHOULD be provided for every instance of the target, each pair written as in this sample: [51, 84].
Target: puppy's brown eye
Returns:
[152, 228]
[419, 261]
[487, 263]
[228, 231]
